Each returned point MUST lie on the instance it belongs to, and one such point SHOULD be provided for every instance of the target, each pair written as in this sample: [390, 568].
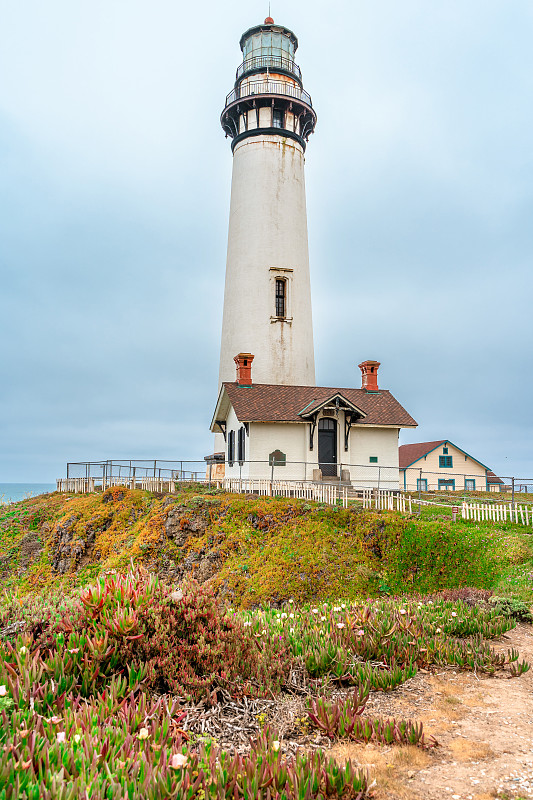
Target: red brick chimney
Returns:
[369, 370]
[244, 369]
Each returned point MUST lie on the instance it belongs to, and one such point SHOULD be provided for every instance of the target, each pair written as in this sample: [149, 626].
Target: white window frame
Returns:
[281, 274]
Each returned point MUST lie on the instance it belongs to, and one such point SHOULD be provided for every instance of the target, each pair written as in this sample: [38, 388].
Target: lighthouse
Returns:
[269, 117]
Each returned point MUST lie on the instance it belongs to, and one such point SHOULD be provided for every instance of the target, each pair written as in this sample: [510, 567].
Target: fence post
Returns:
[512, 499]
[420, 495]
[272, 479]
[210, 468]
[379, 477]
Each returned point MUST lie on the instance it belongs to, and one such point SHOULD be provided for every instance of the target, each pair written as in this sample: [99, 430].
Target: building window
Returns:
[445, 451]
[281, 297]
[240, 446]
[231, 448]
[450, 485]
[277, 118]
[421, 484]
[470, 484]
[373, 459]
[446, 462]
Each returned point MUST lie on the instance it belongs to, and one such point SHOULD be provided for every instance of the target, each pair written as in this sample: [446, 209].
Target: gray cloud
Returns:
[114, 195]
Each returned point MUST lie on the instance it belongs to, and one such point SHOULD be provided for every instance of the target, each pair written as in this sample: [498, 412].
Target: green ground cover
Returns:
[93, 686]
[99, 660]
[259, 549]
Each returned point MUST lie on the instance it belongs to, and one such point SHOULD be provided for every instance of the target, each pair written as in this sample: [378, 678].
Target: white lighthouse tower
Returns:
[267, 298]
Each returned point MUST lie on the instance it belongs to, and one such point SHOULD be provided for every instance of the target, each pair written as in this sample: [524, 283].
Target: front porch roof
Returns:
[336, 400]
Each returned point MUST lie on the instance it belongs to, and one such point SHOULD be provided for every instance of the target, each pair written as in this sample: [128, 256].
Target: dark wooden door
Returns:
[327, 446]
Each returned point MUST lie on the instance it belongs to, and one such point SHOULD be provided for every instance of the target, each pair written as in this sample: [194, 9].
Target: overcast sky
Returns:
[114, 198]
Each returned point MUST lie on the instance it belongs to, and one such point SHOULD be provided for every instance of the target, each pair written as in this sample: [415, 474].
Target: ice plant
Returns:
[178, 761]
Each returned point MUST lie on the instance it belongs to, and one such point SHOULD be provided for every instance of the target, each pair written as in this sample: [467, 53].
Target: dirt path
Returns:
[484, 727]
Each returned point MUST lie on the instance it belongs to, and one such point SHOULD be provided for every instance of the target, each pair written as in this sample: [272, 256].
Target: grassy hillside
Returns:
[105, 688]
[254, 550]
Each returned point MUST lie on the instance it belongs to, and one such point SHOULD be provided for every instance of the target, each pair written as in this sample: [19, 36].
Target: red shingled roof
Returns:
[264, 402]
[409, 453]
[492, 478]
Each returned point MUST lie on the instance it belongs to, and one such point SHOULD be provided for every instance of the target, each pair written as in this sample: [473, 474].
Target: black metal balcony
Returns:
[257, 88]
[258, 63]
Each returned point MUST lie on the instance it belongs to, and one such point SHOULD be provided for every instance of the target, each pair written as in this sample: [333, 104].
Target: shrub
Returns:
[179, 641]
[512, 608]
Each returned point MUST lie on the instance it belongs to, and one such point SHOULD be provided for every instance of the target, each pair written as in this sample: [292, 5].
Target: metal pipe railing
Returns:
[268, 62]
[267, 87]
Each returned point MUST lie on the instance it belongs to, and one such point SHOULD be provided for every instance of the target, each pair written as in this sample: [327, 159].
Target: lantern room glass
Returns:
[269, 43]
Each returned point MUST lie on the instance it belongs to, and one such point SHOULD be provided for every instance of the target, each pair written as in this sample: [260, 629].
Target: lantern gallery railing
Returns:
[249, 89]
[269, 62]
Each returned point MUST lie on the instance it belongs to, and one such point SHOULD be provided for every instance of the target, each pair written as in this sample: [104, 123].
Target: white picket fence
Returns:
[498, 512]
[383, 500]
[89, 485]
[329, 493]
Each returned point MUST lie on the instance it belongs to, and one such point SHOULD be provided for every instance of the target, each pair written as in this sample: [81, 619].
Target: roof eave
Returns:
[222, 395]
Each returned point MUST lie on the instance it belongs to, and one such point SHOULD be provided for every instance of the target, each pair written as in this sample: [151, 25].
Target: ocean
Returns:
[11, 492]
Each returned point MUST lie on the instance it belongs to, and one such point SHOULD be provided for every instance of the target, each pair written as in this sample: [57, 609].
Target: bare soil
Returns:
[484, 727]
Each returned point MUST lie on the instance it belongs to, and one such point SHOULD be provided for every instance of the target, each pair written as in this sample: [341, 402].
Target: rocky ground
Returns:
[484, 727]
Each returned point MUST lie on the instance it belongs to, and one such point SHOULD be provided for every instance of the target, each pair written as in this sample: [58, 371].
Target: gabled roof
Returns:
[492, 478]
[409, 454]
[330, 400]
[264, 402]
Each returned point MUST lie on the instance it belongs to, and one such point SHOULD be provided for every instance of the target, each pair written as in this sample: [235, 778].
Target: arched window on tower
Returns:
[281, 297]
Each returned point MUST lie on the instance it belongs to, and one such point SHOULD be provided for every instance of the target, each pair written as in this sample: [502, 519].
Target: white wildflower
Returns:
[340, 624]
[315, 610]
[60, 737]
[178, 761]
[284, 616]
[143, 733]
[3, 691]
[275, 745]
[291, 600]
[77, 738]
[454, 613]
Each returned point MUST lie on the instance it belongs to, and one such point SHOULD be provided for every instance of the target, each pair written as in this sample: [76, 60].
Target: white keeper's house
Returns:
[311, 433]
